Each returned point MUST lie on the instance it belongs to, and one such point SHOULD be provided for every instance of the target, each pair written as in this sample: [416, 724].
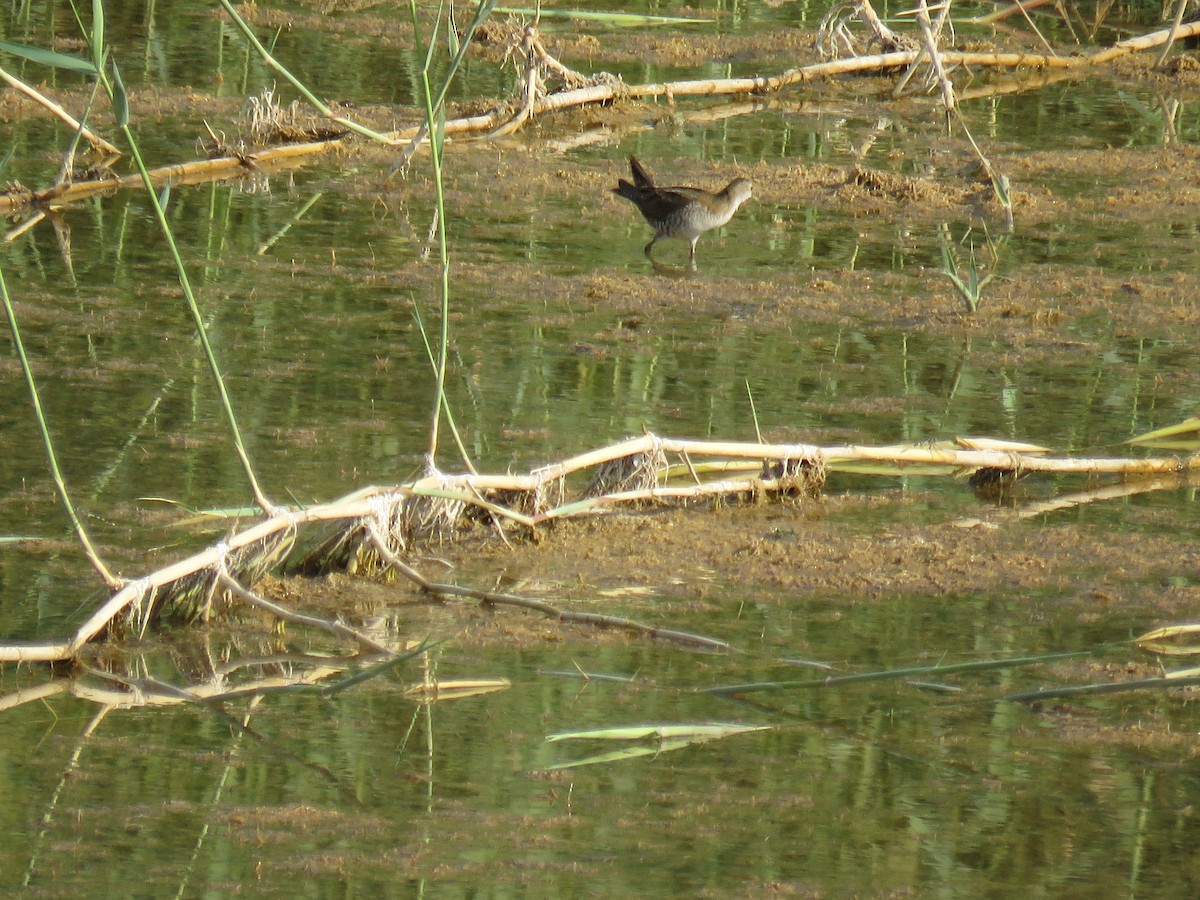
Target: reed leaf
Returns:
[120, 101]
[382, 668]
[669, 738]
[1187, 426]
[1182, 446]
[617, 756]
[457, 689]
[704, 732]
[588, 676]
[1107, 687]
[97, 37]
[51, 58]
[893, 674]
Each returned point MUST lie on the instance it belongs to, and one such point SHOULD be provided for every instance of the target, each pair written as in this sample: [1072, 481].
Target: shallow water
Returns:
[563, 339]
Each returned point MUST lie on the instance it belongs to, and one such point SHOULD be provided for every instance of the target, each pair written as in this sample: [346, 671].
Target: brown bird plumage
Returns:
[681, 212]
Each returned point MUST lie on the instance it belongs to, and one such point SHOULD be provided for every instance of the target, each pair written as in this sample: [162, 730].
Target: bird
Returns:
[681, 212]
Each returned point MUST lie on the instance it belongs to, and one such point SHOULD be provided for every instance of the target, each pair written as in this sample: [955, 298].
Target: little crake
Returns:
[681, 212]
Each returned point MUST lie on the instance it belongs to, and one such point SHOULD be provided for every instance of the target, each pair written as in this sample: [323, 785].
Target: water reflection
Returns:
[865, 789]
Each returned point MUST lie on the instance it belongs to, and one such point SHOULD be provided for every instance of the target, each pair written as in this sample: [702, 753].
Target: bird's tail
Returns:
[641, 177]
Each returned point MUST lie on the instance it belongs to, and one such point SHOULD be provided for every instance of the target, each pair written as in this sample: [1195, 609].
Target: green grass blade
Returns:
[667, 738]
[1171, 640]
[613, 756]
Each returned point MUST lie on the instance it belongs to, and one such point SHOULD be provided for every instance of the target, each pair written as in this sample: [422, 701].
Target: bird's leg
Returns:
[649, 246]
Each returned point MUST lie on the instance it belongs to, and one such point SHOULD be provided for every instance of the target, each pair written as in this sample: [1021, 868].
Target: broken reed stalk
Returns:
[373, 509]
[886, 37]
[529, 84]
[42, 100]
[1176, 20]
[228, 166]
[48, 444]
[930, 40]
[307, 673]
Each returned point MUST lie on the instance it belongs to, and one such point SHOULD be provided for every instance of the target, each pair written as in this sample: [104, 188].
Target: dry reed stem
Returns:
[531, 84]
[210, 170]
[936, 61]
[384, 511]
[140, 692]
[41, 99]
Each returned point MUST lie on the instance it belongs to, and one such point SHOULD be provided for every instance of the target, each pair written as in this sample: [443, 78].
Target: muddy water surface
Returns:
[823, 300]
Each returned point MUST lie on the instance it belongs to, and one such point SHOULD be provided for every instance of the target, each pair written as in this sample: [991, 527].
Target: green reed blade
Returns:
[120, 101]
[1107, 687]
[893, 674]
[381, 669]
[308, 95]
[98, 34]
[1187, 426]
[49, 57]
[48, 444]
[707, 731]
[119, 98]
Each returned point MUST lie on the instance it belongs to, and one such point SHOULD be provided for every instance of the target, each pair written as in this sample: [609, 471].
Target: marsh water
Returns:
[820, 314]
